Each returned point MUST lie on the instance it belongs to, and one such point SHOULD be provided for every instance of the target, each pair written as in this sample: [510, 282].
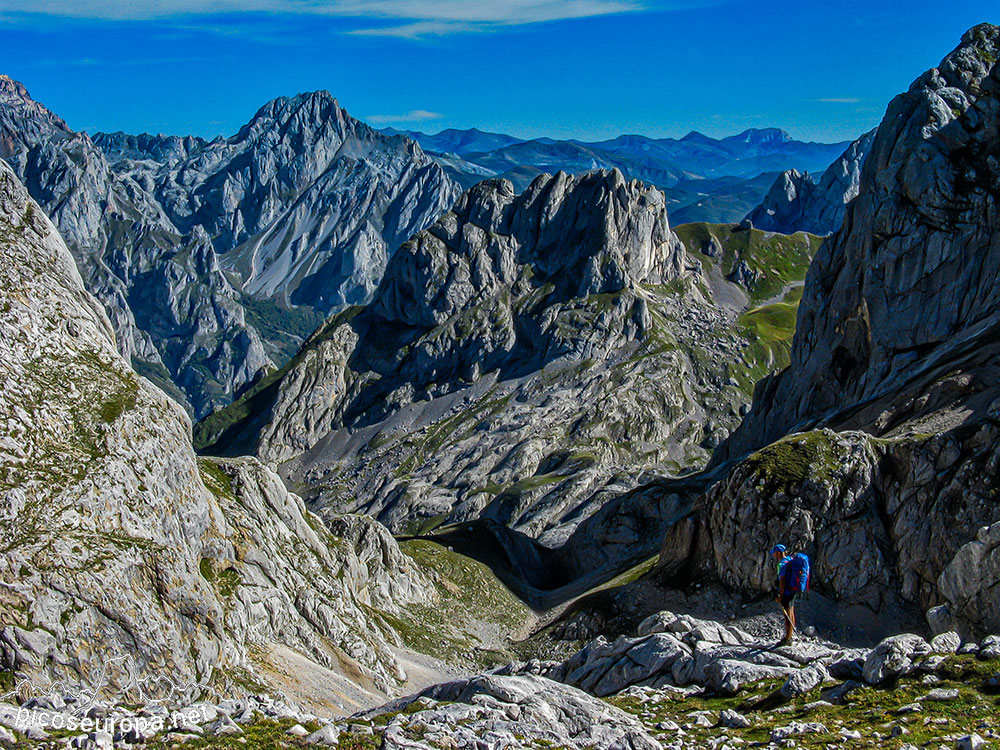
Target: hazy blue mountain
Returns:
[704, 178]
[459, 142]
[719, 200]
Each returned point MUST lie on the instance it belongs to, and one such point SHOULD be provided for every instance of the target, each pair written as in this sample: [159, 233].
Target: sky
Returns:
[586, 69]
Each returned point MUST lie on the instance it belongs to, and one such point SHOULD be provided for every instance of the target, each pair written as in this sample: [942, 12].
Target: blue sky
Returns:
[588, 69]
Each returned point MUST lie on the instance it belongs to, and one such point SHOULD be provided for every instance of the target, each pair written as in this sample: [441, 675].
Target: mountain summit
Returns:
[215, 259]
[516, 357]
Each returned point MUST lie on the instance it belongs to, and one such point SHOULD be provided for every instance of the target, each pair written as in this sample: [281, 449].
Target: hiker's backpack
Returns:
[797, 573]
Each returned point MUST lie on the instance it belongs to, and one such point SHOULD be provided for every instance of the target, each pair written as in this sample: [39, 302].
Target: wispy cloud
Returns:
[415, 115]
[475, 11]
[409, 19]
[418, 29]
[840, 100]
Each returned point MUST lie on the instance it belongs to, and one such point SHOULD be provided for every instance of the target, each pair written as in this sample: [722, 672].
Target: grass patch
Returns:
[793, 460]
[777, 259]
[226, 580]
[264, 734]
[216, 481]
[120, 402]
[872, 711]
[469, 597]
[772, 323]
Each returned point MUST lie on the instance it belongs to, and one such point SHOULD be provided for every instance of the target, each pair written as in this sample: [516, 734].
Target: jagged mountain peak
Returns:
[23, 121]
[14, 94]
[302, 112]
[305, 121]
[591, 233]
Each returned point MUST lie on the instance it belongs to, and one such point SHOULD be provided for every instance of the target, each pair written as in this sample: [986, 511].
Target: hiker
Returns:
[793, 579]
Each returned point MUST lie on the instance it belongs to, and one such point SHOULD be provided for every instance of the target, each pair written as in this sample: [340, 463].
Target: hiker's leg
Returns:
[790, 621]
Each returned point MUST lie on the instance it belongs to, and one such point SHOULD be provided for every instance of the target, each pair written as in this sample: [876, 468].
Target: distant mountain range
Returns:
[704, 179]
[216, 259]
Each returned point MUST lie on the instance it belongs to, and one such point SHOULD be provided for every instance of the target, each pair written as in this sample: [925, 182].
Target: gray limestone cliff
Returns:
[130, 565]
[890, 483]
[908, 284]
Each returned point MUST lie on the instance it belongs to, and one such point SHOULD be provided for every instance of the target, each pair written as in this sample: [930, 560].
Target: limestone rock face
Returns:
[895, 356]
[797, 204]
[215, 259]
[517, 356]
[892, 523]
[126, 557]
[909, 280]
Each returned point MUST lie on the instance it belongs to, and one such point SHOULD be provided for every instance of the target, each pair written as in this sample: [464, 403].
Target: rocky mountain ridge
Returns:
[215, 259]
[465, 389]
[129, 566]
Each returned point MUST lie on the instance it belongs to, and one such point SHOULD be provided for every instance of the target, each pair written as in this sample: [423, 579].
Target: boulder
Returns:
[513, 710]
[971, 742]
[990, 647]
[691, 629]
[780, 734]
[894, 657]
[803, 680]
[328, 735]
[729, 676]
[946, 643]
[733, 720]
[941, 694]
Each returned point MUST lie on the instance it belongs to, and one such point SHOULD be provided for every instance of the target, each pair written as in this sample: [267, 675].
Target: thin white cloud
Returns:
[500, 12]
[407, 19]
[418, 29]
[840, 100]
[415, 115]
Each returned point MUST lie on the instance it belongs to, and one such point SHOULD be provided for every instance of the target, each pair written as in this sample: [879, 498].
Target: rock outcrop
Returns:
[129, 566]
[509, 711]
[513, 361]
[216, 259]
[797, 204]
[893, 377]
[907, 283]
